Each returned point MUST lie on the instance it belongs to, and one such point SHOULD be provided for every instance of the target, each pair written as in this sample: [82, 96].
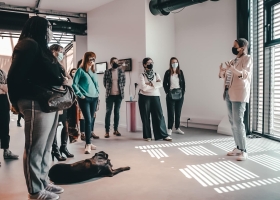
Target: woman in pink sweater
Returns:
[237, 75]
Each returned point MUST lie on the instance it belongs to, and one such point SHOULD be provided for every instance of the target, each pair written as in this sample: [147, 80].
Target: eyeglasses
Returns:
[91, 59]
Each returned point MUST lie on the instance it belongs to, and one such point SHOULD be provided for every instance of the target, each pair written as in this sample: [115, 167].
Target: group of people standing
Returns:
[33, 62]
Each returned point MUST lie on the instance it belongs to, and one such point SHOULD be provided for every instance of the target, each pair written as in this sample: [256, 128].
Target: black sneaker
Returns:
[117, 133]
[9, 155]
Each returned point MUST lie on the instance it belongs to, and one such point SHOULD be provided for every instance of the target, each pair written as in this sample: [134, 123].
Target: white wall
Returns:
[204, 37]
[200, 36]
[80, 48]
[160, 44]
[117, 30]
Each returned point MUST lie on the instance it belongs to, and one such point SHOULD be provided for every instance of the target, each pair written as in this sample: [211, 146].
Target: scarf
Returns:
[3, 78]
[149, 74]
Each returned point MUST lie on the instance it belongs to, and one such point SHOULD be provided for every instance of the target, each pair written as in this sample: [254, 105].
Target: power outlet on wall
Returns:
[188, 122]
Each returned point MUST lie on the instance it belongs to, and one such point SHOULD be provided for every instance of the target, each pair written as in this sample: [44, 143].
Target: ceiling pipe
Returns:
[164, 7]
[20, 9]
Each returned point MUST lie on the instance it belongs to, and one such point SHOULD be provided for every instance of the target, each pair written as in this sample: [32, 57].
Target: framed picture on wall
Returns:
[101, 67]
[126, 64]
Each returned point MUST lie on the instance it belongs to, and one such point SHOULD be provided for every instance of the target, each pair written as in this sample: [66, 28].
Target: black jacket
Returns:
[166, 81]
[30, 67]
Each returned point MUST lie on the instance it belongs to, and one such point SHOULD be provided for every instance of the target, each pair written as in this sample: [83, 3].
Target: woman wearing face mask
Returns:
[85, 85]
[34, 64]
[174, 81]
[57, 152]
[237, 83]
[149, 103]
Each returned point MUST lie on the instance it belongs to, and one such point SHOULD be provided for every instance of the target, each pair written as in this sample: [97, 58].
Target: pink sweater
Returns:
[239, 88]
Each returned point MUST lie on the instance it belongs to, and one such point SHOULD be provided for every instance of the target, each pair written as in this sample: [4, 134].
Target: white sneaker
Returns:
[43, 194]
[54, 189]
[93, 147]
[148, 139]
[234, 152]
[88, 149]
[180, 131]
[167, 139]
[169, 131]
[243, 156]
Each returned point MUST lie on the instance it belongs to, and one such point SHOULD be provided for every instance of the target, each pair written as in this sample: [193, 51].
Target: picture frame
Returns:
[101, 67]
[126, 64]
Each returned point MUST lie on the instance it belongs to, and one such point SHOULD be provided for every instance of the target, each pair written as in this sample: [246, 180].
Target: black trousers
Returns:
[4, 121]
[113, 100]
[20, 116]
[150, 105]
[174, 107]
[64, 136]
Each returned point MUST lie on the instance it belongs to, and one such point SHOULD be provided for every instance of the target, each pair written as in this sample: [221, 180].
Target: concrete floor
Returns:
[193, 167]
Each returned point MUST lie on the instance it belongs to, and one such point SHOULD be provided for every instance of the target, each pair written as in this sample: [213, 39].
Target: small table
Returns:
[131, 116]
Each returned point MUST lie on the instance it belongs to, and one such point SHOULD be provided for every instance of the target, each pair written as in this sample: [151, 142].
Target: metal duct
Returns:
[164, 7]
[13, 22]
[68, 27]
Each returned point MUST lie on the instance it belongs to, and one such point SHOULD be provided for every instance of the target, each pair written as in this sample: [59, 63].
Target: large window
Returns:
[265, 49]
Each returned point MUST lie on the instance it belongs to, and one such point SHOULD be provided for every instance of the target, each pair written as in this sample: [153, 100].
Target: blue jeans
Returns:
[88, 107]
[236, 116]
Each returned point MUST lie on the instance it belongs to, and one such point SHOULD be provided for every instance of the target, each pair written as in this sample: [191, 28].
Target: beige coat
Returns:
[239, 88]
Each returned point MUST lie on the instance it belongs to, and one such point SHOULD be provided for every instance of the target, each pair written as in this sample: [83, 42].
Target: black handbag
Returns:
[54, 98]
[175, 94]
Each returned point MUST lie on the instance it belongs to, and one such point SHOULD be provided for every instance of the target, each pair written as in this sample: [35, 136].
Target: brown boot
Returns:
[94, 136]
[117, 133]
[107, 135]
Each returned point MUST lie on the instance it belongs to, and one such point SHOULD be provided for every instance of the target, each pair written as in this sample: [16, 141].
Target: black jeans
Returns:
[150, 105]
[174, 106]
[19, 117]
[88, 107]
[64, 136]
[110, 101]
[4, 121]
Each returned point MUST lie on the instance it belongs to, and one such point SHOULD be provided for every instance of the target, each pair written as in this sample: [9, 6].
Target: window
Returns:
[265, 49]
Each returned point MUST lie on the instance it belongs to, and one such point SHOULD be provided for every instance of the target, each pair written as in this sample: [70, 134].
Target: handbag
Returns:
[54, 98]
[175, 94]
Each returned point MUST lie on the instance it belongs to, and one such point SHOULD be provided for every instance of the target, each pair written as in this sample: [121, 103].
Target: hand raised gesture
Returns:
[230, 64]
[221, 68]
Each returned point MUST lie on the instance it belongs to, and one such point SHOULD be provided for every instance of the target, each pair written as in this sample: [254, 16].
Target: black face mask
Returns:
[150, 66]
[115, 65]
[234, 50]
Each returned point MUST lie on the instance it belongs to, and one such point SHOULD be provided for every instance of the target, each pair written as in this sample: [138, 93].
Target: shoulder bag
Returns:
[54, 98]
[175, 94]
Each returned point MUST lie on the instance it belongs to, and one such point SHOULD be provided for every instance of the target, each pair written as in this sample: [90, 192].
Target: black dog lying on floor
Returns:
[97, 166]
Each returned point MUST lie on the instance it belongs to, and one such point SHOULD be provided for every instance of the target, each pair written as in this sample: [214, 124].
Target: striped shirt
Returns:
[229, 73]
[229, 76]
[3, 80]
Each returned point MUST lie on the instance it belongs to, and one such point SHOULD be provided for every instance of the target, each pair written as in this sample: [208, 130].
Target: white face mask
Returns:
[60, 57]
[49, 35]
[174, 65]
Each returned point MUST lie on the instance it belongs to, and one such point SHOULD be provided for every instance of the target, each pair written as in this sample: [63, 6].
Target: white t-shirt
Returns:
[174, 82]
[115, 86]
